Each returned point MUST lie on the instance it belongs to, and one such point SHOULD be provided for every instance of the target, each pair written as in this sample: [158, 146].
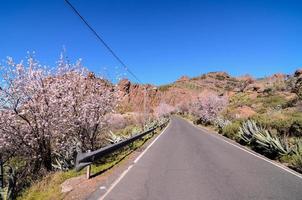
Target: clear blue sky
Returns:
[159, 40]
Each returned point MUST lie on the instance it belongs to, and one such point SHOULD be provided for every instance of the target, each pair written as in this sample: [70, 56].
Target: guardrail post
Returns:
[1, 178]
[11, 184]
[88, 170]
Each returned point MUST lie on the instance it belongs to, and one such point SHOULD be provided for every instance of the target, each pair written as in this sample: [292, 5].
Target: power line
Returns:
[103, 42]
[112, 52]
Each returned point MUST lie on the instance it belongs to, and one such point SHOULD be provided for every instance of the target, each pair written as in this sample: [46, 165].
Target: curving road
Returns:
[187, 163]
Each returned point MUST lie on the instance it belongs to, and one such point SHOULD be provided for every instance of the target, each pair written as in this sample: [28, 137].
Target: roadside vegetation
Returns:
[268, 121]
[49, 187]
[48, 115]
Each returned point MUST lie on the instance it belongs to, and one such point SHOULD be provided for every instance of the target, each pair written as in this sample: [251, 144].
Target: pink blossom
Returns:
[163, 110]
[208, 106]
[43, 112]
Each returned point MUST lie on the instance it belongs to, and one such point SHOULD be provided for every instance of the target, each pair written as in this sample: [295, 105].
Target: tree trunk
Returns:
[46, 156]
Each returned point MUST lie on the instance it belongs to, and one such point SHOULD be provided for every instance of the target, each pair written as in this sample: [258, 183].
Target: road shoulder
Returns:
[233, 143]
[97, 186]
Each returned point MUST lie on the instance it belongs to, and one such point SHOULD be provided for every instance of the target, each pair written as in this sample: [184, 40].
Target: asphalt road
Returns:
[186, 163]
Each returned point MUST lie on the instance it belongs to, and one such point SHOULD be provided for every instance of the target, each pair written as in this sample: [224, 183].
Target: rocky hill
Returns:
[187, 89]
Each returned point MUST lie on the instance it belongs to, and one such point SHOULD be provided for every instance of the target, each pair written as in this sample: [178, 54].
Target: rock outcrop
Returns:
[186, 89]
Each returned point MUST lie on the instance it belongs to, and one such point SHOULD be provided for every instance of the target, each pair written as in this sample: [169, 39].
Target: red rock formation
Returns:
[185, 90]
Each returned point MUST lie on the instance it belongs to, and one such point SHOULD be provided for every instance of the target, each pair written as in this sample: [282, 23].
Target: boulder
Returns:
[298, 73]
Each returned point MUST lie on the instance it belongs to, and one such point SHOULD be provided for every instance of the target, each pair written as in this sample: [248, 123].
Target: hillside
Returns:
[278, 87]
[264, 114]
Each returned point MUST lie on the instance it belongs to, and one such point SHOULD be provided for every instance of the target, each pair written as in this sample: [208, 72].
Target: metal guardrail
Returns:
[10, 195]
[1, 178]
[1, 173]
[86, 159]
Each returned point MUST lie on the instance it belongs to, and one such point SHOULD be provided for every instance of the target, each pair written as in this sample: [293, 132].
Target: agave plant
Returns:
[64, 160]
[155, 123]
[248, 130]
[151, 124]
[263, 139]
[271, 144]
[113, 138]
[221, 123]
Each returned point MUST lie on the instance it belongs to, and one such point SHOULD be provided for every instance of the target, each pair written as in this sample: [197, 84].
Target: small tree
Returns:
[85, 100]
[25, 113]
[163, 110]
[116, 121]
[46, 113]
[208, 106]
[298, 88]
[183, 108]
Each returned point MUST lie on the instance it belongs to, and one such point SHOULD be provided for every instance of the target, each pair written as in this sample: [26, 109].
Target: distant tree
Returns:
[116, 121]
[294, 83]
[163, 110]
[183, 108]
[298, 87]
[208, 106]
[245, 81]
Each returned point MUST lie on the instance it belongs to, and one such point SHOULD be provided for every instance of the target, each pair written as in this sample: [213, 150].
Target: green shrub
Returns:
[262, 119]
[240, 99]
[294, 160]
[199, 121]
[231, 130]
[280, 123]
[284, 124]
[164, 88]
[190, 86]
[296, 128]
[297, 157]
[298, 88]
[128, 131]
[290, 103]
[279, 85]
[268, 91]
[295, 115]
[272, 101]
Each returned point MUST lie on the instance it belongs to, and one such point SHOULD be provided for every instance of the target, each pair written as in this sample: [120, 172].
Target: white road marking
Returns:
[214, 134]
[141, 155]
[103, 188]
[116, 182]
[135, 161]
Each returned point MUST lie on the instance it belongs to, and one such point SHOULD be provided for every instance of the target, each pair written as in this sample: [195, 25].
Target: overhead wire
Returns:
[103, 42]
[110, 50]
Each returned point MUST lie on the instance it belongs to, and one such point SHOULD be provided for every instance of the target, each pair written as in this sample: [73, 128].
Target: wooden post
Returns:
[1, 178]
[1, 174]
[88, 170]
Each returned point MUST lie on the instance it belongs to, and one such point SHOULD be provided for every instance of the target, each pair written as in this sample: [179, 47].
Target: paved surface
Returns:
[186, 163]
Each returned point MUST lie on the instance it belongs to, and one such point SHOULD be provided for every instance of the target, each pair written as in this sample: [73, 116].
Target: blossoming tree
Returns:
[163, 110]
[45, 113]
[208, 106]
